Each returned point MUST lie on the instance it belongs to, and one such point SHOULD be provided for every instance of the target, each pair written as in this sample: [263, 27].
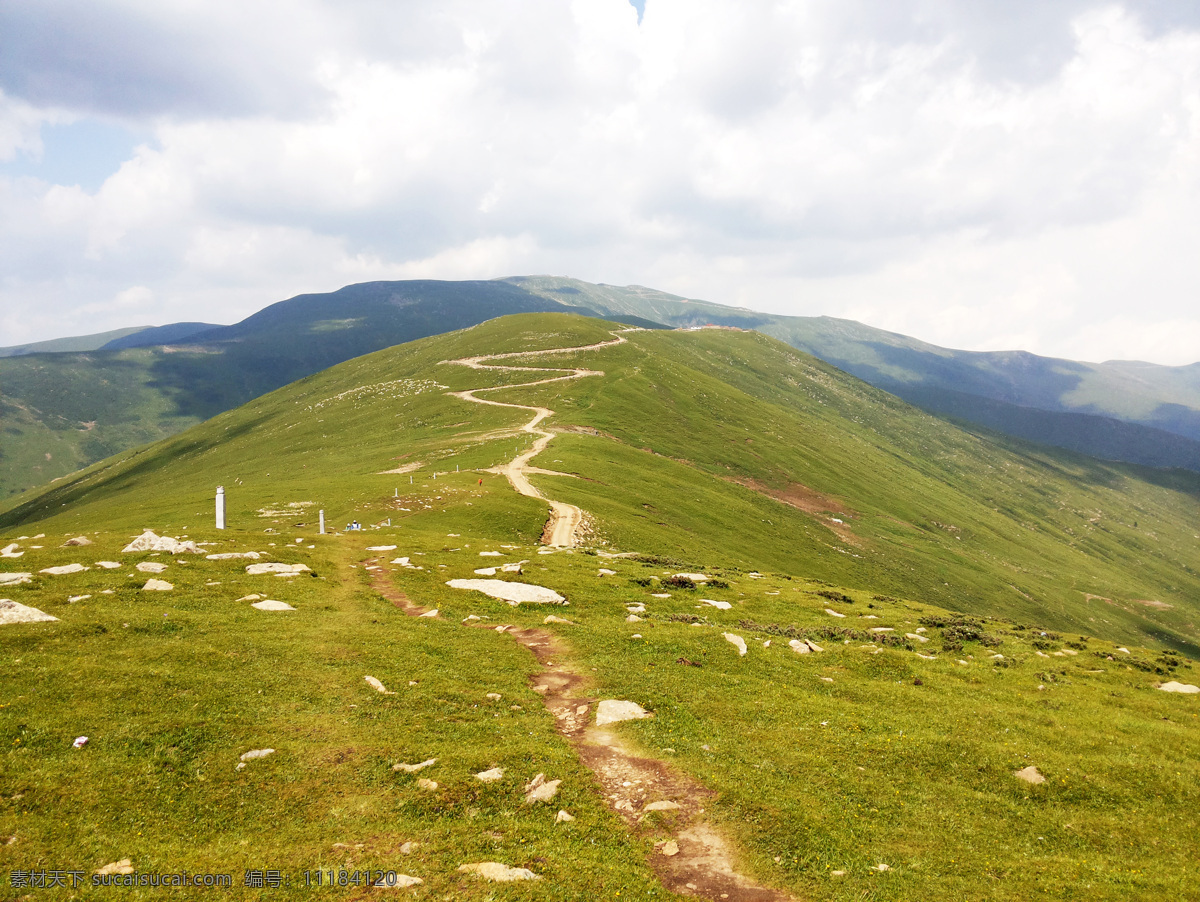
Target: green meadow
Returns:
[1001, 607]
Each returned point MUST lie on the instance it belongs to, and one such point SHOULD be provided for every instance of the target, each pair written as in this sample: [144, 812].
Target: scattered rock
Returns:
[74, 598]
[377, 685]
[80, 742]
[108, 565]
[11, 550]
[513, 593]
[148, 541]
[633, 618]
[636, 608]
[413, 768]
[916, 637]
[151, 567]
[381, 548]
[563, 818]
[256, 753]
[736, 641]
[694, 577]
[881, 867]
[268, 604]
[77, 542]
[721, 605]
[799, 647]
[157, 585]
[15, 579]
[276, 568]
[539, 789]
[813, 645]
[1030, 775]
[500, 873]
[486, 571]
[662, 806]
[490, 776]
[613, 711]
[426, 784]
[553, 619]
[833, 613]
[64, 569]
[250, 598]
[604, 571]
[431, 613]
[233, 555]
[661, 595]
[14, 612]
[881, 629]
[1185, 688]
[124, 866]
[491, 554]
[670, 848]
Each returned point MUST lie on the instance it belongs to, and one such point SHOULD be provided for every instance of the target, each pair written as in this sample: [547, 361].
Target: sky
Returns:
[980, 174]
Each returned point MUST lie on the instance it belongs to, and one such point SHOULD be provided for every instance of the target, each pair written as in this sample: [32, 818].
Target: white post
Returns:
[220, 507]
[322, 522]
[410, 480]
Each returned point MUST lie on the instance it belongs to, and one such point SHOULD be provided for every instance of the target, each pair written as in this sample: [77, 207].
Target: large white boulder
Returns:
[149, 541]
[13, 612]
[513, 593]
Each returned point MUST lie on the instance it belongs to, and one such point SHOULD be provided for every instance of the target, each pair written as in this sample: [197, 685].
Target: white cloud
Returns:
[1023, 175]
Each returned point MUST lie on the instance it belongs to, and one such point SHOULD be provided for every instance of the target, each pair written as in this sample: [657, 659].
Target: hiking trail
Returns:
[565, 519]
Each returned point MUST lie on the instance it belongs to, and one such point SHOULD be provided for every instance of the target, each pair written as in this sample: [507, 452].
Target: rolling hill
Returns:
[1009, 391]
[62, 411]
[154, 382]
[970, 609]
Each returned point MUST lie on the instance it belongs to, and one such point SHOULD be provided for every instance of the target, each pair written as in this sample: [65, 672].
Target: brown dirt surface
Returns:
[810, 501]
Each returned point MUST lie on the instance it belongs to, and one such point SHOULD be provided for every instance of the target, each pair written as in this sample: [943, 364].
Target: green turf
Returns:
[810, 777]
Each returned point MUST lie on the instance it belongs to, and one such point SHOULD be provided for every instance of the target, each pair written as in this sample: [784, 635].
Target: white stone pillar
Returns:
[220, 507]
[322, 522]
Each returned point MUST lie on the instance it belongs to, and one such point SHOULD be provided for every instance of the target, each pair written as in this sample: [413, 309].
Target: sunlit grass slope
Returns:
[882, 749]
[879, 750]
[696, 435]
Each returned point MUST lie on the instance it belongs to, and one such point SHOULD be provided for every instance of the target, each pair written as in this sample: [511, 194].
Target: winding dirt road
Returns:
[565, 519]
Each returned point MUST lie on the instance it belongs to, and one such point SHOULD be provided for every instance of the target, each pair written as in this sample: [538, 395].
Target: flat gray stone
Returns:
[513, 593]
[614, 711]
[13, 612]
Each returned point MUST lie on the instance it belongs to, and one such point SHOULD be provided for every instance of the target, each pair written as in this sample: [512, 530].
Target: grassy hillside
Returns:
[72, 344]
[1012, 385]
[895, 746]
[687, 423]
[63, 411]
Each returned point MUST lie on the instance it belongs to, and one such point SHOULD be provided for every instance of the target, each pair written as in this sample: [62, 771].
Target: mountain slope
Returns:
[63, 411]
[1145, 395]
[884, 761]
[682, 424]
[72, 344]
[193, 375]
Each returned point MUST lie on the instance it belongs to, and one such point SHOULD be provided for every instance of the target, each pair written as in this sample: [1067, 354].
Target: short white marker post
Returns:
[322, 522]
[220, 507]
